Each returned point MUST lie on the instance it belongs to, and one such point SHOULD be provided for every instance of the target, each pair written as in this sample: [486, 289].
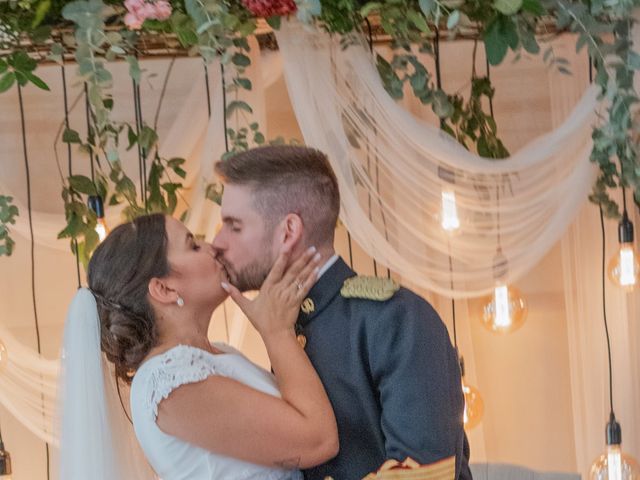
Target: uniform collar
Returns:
[325, 289]
[327, 265]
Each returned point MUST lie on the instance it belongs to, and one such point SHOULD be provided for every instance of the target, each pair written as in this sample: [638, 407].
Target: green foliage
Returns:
[8, 214]
[218, 29]
[469, 121]
[19, 67]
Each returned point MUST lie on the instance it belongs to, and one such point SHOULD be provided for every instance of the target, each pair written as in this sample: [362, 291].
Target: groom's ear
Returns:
[161, 292]
[292, 230]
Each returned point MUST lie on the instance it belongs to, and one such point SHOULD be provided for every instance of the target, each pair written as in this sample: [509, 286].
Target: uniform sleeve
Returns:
[415, 371]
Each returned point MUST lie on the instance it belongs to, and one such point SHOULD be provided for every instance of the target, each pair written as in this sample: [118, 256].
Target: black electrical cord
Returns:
[604, 312]
[87, 109]
[141, 152]
[70, 162]
[206, 84]
[226, 148]
[489, 78]
[33, 265]
[224, 109]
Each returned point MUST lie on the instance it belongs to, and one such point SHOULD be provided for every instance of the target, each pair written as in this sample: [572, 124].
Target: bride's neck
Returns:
[187, 331]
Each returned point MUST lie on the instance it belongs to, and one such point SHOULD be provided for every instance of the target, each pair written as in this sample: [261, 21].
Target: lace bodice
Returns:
[172, 458]
[179, 366]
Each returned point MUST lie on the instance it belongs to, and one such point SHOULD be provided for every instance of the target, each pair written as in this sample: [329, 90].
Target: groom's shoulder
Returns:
[384, 295]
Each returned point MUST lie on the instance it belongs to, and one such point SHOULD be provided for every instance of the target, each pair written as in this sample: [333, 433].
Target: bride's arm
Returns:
[227, 417]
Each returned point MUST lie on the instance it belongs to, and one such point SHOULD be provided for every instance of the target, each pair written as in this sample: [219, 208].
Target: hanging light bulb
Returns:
[449, 212]
[4, 358]
[95, 204]
[473, 403]
[614, 464]
[505, 311]
[624, 267]
[449, 219]
[5, 462]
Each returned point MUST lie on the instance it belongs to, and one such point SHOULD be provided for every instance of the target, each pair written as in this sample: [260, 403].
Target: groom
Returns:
[381, 351]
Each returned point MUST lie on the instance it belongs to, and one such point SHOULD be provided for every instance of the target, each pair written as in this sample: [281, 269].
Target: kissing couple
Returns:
[363, 370]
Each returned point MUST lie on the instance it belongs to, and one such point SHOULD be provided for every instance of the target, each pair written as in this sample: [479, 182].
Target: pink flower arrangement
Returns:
[140, 10]
[268, 8]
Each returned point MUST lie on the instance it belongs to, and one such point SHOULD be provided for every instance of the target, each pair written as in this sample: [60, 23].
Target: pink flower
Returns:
[140, 10]
[133, 5]
[148, 10]
[163, 9]
[269, 8]
[133, 22]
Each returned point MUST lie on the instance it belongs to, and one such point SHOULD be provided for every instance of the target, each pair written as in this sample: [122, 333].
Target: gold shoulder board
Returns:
[370, 288]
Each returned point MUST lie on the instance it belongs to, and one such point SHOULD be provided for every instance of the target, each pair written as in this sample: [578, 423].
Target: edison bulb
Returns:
[3, 356]
[505, 311]
[614, 465]
[449, 212]
[624, 268]
[473, 406]
[101, 228]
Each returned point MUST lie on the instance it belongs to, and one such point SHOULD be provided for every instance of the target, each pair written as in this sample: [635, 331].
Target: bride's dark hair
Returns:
[118, 275]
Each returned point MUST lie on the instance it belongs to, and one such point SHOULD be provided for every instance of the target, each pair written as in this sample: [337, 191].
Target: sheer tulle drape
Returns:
[392, 169]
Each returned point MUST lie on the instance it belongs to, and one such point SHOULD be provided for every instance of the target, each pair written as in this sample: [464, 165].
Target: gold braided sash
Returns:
[412, 470]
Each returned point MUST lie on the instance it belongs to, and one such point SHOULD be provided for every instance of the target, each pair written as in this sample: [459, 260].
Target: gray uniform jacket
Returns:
[391, 374]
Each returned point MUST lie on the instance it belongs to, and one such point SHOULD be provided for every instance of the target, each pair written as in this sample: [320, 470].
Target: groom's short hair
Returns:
[288, 179]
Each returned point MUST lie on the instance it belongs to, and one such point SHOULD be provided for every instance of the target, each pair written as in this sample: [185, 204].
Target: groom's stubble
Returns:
[252, 275]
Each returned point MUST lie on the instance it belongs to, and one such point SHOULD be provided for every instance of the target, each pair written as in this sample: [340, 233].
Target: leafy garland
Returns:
[218, 29]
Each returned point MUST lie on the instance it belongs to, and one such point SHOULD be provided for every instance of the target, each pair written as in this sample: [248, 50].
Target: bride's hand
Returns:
[275, 309]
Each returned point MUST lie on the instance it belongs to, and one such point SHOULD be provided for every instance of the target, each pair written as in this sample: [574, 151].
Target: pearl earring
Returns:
[180, 302]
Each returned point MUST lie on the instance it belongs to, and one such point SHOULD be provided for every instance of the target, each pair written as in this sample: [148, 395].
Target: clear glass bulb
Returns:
[614, 465]
[101, 228]
[473, 406]
[624, 268]
[505, 311]
[449, 212]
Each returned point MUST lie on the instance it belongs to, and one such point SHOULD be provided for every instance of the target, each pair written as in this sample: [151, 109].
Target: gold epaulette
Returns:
[370, 288]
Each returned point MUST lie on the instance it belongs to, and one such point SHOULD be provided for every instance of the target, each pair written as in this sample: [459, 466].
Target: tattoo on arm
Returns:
[289, 464]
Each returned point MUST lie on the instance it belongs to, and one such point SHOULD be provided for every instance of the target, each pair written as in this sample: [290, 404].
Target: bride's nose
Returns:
[213, 250]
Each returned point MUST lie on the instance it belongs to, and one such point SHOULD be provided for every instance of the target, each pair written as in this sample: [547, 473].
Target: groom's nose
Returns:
[218, 243]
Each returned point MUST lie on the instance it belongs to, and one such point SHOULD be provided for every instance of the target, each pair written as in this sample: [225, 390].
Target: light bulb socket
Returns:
[625, 229]
[447, 175]
[500, 265]
[96, 204]
[5, 461]
[613, 431]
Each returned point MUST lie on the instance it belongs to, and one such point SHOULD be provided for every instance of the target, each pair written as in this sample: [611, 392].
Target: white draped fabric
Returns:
[392, 169]
[388, 165]
[28, 381]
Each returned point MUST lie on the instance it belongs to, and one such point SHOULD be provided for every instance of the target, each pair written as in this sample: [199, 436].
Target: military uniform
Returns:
[391, 373]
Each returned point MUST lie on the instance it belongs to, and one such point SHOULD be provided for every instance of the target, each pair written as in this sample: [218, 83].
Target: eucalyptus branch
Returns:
[8, 214]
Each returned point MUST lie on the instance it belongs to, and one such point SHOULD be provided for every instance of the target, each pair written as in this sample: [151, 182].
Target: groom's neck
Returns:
[325, 255]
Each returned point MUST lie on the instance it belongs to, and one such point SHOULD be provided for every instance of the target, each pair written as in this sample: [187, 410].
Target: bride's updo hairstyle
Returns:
[119, 273]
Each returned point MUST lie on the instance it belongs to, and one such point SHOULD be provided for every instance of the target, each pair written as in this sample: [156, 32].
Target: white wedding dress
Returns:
[175, 459]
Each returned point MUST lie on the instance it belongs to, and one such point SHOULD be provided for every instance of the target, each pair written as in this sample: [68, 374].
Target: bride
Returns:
[199, 410]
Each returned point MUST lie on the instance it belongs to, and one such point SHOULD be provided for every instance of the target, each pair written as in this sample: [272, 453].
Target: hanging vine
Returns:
[97, 32]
